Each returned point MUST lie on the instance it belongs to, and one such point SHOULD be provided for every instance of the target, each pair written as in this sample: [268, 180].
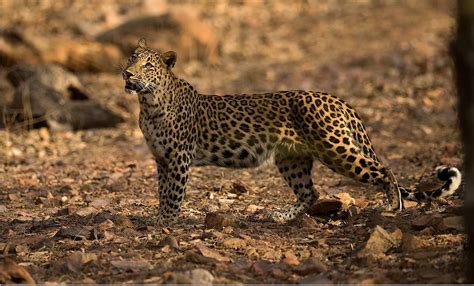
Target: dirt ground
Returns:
[76, 207]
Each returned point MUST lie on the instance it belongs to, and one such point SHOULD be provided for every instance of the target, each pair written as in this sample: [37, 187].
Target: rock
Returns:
[272, 254]
[179, 30]
[7, 93]
[82, 55]
[105, 225]
[12, 273]
[15, 48]
[411, 243]
[3, 209]
[310, 266]
[423, 221]
[99, 203]
[361, 203]
[207, 252]
[13, 197]
[103, 216]
[240, 266]
[236, 187]
[452, 223]
[290, 258]
[193, 257]
[117, 183]
[123, 221]
[73, 232]
[253, 208]
[74, 54]
[48, 108]
[314, 279]
[192, 277]
[86, 211]
[86, 280]
[49, 96]
[87, 114]
[427, 231]
[409, 204]
[76, 261]
[353, 212]
[346, 199]
[51, 75]
[325, 206]
[218, 221]
[170, 241]
[262, 267]
[379, 242]
[234, 243]
[131, 264]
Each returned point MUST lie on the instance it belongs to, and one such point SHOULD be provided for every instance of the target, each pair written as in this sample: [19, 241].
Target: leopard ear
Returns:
[142, 43]
[169, 58]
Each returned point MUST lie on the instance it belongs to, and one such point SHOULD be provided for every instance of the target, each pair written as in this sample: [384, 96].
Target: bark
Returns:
[463, 55]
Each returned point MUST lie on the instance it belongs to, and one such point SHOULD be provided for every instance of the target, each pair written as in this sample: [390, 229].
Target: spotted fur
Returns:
[184, 128]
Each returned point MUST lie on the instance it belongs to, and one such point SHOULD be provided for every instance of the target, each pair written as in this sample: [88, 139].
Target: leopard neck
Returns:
[159, 100]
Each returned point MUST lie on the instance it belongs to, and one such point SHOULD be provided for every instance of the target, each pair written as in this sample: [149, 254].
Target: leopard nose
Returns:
[126, 74]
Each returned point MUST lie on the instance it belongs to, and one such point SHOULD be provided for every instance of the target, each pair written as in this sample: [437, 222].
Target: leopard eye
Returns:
[148, 65]
[132, 59]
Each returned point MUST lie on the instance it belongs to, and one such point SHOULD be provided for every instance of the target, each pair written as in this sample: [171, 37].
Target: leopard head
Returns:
[147, 70]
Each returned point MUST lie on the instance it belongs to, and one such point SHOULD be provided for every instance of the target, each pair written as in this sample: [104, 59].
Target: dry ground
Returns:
[93, 192]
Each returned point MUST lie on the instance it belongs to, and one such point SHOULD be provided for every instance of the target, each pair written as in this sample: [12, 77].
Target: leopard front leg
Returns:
[172, 180]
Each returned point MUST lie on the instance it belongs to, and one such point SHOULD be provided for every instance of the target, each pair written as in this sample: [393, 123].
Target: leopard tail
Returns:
[450, 175]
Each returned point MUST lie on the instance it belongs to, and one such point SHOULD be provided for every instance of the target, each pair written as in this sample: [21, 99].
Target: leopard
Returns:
[294, 128]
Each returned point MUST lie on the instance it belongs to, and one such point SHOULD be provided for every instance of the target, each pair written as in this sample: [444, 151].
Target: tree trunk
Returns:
[463, 55]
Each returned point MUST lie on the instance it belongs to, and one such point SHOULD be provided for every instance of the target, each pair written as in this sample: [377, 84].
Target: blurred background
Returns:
[222, 46]
[69, 134]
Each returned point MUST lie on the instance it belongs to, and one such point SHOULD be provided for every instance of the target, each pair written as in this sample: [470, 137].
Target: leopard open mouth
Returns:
[131, 87]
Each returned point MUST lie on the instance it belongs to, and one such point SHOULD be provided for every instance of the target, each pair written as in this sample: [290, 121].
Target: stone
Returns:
[207, 252]
[12, 273]
[194, 257]
[170, 241]
[218, 221]
[411, 243]
[290, 258]
[50, 96]
[346, 199]
[52, 75]
[123, 221]
[76, 261]
[325, 206]
[192, 277]
[253, 208]
[131, 264]
[234, 243]
[310, 266]
[262, 267]
[73, 232]
[99, 203]
[238, 187]
[452, 223]
[181, 30]
[424, 221]
[379, 242]
[86, 211]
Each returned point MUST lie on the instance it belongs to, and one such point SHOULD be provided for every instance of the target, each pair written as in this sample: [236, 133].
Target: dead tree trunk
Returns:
[463, 55]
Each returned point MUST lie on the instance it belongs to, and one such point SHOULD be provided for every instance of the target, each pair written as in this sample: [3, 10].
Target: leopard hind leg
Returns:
[297, 174]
